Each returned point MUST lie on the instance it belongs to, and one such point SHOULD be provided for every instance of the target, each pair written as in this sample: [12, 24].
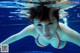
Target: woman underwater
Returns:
[46, 29]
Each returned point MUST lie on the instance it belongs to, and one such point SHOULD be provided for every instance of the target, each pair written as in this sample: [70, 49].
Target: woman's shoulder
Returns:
[30, 26]
[32, 30]
[67, 31]
[63, 27]
[64, 31]
[66, 28]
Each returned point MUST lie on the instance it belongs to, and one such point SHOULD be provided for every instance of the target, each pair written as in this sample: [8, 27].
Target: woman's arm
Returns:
[25, 32]
[71, 35]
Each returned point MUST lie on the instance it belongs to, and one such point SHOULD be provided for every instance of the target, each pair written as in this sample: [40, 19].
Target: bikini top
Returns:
[61, 44]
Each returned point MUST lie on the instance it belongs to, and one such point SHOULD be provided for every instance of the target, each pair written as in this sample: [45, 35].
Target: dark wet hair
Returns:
[42, 13]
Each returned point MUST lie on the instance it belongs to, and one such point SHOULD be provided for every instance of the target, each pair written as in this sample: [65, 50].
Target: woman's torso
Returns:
[57, 41]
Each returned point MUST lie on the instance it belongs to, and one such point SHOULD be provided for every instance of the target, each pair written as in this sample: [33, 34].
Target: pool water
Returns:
[12, 21]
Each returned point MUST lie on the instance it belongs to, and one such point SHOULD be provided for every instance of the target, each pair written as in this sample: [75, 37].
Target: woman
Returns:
[46, 29]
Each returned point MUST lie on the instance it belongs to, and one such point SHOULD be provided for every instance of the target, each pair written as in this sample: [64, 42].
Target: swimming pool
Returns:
[12, 21]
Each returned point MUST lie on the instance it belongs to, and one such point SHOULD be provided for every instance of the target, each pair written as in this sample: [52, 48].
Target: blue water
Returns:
[11, 23]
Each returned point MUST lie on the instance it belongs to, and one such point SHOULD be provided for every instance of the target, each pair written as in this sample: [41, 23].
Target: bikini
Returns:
[61, 44]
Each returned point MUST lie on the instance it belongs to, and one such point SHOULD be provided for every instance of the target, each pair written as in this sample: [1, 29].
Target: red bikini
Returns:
[59, 43]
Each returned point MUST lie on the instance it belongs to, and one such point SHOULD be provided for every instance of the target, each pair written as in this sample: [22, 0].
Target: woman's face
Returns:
[46, 28]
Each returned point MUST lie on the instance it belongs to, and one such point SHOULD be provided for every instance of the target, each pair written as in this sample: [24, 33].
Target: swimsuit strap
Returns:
[58, 39]
[38, 41]
[44, 46]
